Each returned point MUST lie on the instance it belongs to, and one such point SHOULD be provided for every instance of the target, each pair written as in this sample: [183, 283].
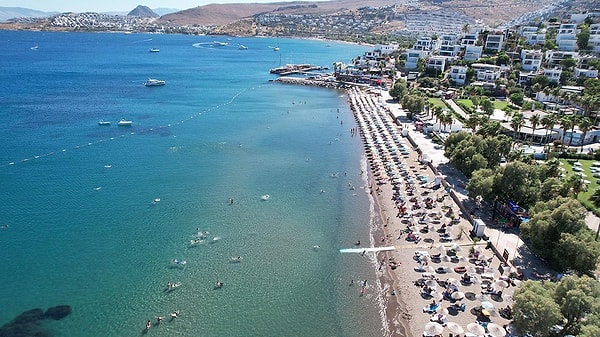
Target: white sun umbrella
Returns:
[457, 295]
[496, 330]
[487, 305]
[431, 283]
[475, 329]
[455, 247]
[501, 284]
[455, 328]
[452, 281]
[441, 310]
[436, 296]
[432, 329]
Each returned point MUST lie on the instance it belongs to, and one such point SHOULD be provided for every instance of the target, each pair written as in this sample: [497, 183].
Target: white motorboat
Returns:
[124, 122]
[152, 82]
[103, 122]
[265, 197]
[236, 259]
[242, 47]
[220, 44]
[154, 50]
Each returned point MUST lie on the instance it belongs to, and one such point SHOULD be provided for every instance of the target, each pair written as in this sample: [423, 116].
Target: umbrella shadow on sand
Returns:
[497, 298]
[470, 296]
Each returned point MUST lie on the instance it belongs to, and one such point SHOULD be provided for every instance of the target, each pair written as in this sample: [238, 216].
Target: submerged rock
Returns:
[27, 324]
[58, 312]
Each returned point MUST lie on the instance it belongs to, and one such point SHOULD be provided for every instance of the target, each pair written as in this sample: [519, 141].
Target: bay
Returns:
[97, 213]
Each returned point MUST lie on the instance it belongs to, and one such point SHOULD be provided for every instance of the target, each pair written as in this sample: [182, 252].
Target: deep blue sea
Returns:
[78, 198]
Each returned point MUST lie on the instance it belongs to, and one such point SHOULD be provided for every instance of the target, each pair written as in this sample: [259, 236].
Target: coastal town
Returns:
[460, 243]
[482, 145]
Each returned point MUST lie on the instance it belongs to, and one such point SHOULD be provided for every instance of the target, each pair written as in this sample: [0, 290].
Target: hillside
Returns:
[491, 12]
[143, 11]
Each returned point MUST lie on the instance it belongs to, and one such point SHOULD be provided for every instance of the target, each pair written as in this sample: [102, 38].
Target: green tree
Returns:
[481, 184]
[517, 181]
[517, 98]
[595, 197]
[399, 89]
[487, 106]
[549, 220]
[534, 309]
[583, 37]
[577, 298]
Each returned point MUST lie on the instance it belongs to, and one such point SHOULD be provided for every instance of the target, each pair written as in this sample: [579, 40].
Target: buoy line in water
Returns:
[126, 134]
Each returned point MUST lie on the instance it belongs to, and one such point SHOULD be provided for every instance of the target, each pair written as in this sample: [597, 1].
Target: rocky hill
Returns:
[143, 11]
[490, 12]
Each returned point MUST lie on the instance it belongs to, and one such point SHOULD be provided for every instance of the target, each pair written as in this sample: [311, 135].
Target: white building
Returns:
[487, 72]
[566, 37]
[469, 39]
[437, 62]
[449, 46]
[494, 42]
[594, 41]
[553, 74]
[473, 53]
[588, 73]
[554, 57]
[458, 74]
[413, 56]
[531, 60]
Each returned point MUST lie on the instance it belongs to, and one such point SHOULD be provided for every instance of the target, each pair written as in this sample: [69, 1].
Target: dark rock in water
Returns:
[27, 324]
[58, 312]
[29, 316]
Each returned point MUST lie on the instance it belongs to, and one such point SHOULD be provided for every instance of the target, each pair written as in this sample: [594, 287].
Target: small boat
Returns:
[178, 262]
[242, 47]
[219, 284]
[152, 82]
[215, 239]
[124, 122]
[154, 50]
[236, 259]
[103, 122]
[265, 197]
[219, 44]
[196, 242]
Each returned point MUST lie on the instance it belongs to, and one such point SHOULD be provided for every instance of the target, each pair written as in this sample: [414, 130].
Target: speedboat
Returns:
[124, 122]
[242, 47]
[103, 122]
[172, 286]
[152, 82]
[265, 197]
[220, 44]
[154, 50]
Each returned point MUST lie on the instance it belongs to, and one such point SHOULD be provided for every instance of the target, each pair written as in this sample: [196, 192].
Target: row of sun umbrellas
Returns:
[472, 329]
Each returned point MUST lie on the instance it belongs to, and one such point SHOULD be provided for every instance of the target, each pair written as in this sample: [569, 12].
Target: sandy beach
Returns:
[434, 260]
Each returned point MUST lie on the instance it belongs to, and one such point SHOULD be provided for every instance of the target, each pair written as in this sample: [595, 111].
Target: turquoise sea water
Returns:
[78, 197]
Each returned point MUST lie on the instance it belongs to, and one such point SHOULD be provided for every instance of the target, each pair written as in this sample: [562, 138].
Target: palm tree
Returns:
[574, 123]
[472, 122]
[548, 122]
[565, 124]
[516, 124]
[438, 112]
[585, 125]
[446, 119]
[534, 120]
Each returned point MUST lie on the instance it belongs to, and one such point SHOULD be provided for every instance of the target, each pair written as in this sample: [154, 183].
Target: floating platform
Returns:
[367, 249]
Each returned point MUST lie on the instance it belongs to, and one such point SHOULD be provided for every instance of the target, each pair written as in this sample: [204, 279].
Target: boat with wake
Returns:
[124, 122]
[103, 122]
[154, 50]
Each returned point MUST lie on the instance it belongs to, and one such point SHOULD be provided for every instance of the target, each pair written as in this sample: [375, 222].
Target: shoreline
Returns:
[395, 169]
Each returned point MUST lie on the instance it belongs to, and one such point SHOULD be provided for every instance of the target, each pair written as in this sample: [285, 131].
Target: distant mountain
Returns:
[163, 11]
[19, 12]
[143, 11]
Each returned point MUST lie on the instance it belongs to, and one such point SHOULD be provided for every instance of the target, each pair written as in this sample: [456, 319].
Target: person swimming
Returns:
[148, 325]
